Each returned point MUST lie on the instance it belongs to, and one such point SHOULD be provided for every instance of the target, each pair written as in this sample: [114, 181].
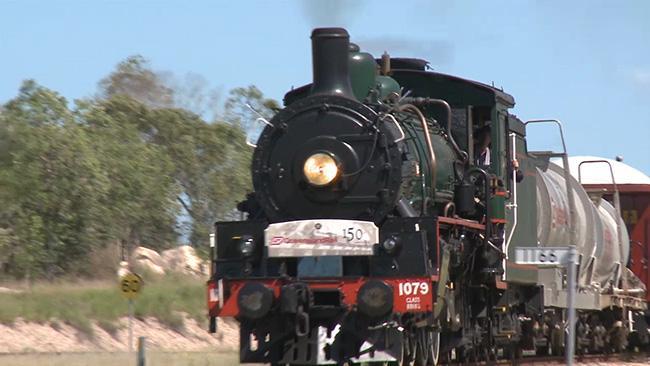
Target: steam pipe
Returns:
[427, 138]
[445, 105]
[405, 209]
[449, 206]
[330, 64]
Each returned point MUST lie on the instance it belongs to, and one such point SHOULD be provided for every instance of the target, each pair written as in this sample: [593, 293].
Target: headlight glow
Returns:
[320, 169]
[246, 245]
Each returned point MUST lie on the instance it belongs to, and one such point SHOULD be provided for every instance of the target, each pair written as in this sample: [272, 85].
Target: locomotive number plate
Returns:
[544, 256]
[310, 238]
[412, 295]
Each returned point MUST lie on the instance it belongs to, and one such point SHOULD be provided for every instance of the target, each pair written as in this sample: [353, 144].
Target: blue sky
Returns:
[586, 63]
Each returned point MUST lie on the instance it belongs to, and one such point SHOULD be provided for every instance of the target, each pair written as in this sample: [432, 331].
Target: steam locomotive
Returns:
[388, 205]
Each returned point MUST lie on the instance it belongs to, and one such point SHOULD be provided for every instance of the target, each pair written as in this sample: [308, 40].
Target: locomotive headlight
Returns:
[320, 169]
[390, 244]
[246, 245]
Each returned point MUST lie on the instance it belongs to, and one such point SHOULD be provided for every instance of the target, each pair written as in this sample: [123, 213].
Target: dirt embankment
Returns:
[69, 309]
[22, 337]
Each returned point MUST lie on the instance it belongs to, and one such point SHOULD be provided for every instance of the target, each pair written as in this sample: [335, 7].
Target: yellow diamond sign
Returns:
[131, 285]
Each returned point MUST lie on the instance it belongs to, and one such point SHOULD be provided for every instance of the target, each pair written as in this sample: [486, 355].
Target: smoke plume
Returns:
[321, 13]
[437, 52]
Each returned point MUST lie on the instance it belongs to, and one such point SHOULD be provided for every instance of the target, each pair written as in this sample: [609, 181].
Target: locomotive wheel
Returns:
[409, 349]
[421, 345]
[428, 348]
[434, 349]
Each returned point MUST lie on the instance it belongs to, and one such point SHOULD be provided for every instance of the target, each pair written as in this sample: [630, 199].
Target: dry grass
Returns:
[114, 359]
[103, 262]
[80, 303]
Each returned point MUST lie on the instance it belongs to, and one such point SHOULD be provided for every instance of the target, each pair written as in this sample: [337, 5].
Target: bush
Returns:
[81, 304]
[55, 324]
[111, 327]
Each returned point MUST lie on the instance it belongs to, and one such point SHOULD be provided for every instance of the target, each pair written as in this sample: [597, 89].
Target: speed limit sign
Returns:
[131, 285]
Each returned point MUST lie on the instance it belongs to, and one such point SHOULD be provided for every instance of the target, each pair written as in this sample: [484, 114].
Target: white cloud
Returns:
[641, 77]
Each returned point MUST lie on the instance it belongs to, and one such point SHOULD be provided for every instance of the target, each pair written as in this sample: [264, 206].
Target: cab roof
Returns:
[413, 75]
[409, 69]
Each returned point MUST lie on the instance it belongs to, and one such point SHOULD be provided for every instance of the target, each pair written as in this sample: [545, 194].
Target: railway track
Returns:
[639, 358]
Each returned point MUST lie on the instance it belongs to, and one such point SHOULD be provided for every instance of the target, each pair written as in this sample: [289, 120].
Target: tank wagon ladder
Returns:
[572, 271]
[567, 170]
[617, 206]
[623, 298]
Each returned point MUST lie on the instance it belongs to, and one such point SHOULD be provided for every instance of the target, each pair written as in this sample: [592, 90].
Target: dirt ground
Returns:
[122, 358]
[156, 358]
[24, 337]
[33, 344]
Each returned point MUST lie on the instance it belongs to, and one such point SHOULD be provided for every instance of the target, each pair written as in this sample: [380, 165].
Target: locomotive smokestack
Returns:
[329, 48]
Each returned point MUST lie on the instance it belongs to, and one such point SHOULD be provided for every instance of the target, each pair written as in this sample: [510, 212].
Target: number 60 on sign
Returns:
[130, 285]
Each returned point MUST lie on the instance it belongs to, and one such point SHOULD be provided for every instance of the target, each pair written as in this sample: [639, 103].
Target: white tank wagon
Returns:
[602, 250]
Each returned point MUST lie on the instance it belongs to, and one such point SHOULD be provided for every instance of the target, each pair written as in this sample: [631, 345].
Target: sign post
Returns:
[571, 300]
[556, 257]
[131, 325]
[142, 356]
[130, 286]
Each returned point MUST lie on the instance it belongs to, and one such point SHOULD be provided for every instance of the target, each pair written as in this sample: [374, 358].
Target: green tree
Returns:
[211, 166]
[193, 93]
[245, 105]
[51, 185]
[141, 197]
[211, 160]
[118, 168]
[134, 78]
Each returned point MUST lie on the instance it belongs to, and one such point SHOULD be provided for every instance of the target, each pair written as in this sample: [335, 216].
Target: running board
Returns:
[587, 298]
[556, 293]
